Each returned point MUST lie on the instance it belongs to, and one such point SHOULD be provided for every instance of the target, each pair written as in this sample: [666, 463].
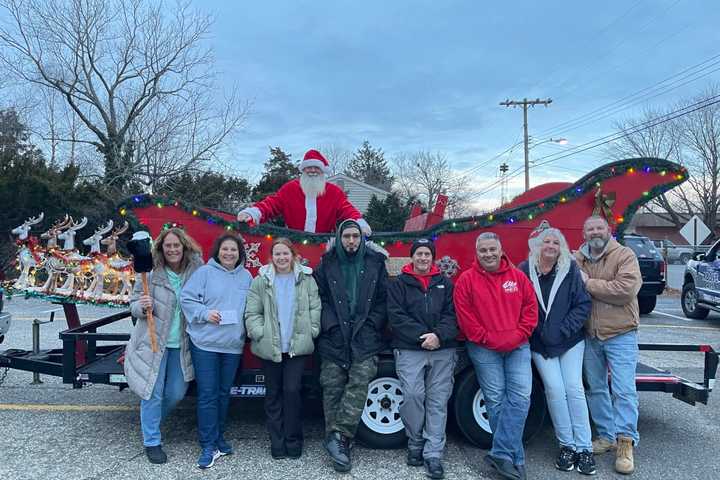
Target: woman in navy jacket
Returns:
[558, 344]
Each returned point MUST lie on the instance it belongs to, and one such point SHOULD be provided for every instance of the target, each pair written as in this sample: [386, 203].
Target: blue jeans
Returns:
[169, 389]
[618, 416]
[565, 394]
[214, 376]
[505, 379]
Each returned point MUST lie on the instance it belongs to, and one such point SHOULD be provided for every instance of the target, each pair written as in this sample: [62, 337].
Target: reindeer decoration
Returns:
[28, 256]
[73, 261]
[55, 261]
[120, 268]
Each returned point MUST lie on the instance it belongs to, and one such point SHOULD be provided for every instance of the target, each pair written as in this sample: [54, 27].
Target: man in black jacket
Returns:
[424, 327]
[352, 282]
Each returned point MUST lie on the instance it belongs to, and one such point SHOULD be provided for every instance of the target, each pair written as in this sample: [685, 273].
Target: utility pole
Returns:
[524, 103]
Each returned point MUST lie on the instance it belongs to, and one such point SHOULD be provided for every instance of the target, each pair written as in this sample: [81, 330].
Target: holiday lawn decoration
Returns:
[69, 275]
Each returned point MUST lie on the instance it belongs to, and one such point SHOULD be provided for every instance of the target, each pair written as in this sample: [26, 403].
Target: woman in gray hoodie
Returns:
[213, 301]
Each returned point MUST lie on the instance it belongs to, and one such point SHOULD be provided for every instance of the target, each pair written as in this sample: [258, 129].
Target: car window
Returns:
[642, 247]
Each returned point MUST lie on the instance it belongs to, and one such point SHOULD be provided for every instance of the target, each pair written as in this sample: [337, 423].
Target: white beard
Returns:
[312, 186]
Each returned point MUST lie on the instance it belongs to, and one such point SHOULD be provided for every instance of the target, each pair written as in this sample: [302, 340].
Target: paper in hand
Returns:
[229, 317]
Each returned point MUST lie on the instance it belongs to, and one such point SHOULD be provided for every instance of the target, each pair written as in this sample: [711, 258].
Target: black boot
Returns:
[155, 454]
[414, 458]
[338, 446]
[434, 468]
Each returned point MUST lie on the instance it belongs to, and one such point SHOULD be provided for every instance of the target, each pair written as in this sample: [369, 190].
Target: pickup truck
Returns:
[674, 253]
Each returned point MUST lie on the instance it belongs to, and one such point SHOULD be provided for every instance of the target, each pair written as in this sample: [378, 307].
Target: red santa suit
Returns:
[316, 215]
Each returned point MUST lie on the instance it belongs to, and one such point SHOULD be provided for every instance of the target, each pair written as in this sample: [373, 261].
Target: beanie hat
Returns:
[313, 158]
[423, 242]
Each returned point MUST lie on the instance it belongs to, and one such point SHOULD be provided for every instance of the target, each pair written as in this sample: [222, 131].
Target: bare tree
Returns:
[116, 62]
[425, 175]
[692, 140]
[659, 141]
[338, 157]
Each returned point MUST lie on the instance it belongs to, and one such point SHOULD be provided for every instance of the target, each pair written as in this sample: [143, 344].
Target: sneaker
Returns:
[155, 454]
[224, 448]
[566, 459]
[503, 467]
[601, 445]
[585, 463]
[434, 468]
[207, 458]
[624, 461]
[338, 447]
[414, 458]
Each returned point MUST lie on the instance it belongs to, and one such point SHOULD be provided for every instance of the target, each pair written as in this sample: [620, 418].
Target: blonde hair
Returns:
[535, 244]
[190, 248]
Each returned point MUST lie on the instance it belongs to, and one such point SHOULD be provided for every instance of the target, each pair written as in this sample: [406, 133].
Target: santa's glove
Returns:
[364, 226]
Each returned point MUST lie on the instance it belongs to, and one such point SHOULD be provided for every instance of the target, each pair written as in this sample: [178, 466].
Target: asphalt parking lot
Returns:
[52, 431]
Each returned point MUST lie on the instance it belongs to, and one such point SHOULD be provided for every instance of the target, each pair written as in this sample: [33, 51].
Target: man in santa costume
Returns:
[309, 203]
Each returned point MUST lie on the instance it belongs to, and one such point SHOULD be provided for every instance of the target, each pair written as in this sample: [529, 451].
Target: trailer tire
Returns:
[689, 302]
[471, 414]
[380, 424]
[647, 304]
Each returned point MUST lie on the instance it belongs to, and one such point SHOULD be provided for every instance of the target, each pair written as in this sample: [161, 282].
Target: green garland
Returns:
[525, 212]
[11, 292]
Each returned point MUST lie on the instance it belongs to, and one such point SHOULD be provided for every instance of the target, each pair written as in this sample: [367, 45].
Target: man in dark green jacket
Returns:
[352, 282]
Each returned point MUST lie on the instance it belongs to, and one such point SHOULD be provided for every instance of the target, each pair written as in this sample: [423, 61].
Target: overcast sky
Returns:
[428, 75]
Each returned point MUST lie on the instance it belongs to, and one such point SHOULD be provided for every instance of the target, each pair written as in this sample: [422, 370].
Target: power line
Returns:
[707, 102]
[644, 94]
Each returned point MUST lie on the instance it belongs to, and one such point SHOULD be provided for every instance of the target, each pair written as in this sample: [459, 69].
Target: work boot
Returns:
[434, 468]
[338, 447]
[601, 445]
[155, 454]
[624, 461]
[504, 468]
[414, 458]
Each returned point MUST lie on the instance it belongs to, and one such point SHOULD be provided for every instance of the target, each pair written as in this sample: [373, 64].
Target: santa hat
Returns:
[313, 158]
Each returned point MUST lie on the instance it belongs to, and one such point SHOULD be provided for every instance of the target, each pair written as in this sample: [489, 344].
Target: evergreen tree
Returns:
[208, 189]
[387, 215]
[369, 165]
[279, 169]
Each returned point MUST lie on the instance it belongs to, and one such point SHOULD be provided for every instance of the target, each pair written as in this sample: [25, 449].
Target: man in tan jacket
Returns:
[612, 277]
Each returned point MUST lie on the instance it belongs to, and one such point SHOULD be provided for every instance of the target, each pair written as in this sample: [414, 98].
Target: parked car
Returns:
[674, 253]
[652, 267]
[701, 284]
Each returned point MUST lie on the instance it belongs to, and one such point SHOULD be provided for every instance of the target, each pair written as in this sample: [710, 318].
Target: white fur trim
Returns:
[364, 226]
[254, 212]
[313, 162]
[310, 214]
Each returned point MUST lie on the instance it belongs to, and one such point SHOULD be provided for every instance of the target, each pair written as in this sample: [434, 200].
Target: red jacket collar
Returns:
[423, 278]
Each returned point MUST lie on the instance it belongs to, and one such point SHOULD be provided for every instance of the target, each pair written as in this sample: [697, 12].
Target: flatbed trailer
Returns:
[90, 356]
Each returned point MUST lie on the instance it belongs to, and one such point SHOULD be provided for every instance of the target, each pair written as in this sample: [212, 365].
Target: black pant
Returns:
[283, 404]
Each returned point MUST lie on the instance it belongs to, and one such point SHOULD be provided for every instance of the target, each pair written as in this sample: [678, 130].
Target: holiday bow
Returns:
[603, 205]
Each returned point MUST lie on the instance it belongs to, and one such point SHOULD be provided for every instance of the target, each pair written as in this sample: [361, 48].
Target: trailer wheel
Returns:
[647, 304]
[380, 424]
[689, 302]
[471, 414]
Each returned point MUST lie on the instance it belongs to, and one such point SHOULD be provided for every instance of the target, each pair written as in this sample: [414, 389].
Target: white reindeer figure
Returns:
[95, 290]
[94, 240]
[54, 264]
[26, 257]
[73, 259]
[68, 236]
[119, 267]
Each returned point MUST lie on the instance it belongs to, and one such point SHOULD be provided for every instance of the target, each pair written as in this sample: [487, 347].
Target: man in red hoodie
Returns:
[497, 311]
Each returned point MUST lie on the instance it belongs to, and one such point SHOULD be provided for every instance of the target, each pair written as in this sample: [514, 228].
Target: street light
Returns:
[559, 141]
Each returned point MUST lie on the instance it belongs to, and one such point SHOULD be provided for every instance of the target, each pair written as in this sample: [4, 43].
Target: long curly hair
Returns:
[535, 244]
